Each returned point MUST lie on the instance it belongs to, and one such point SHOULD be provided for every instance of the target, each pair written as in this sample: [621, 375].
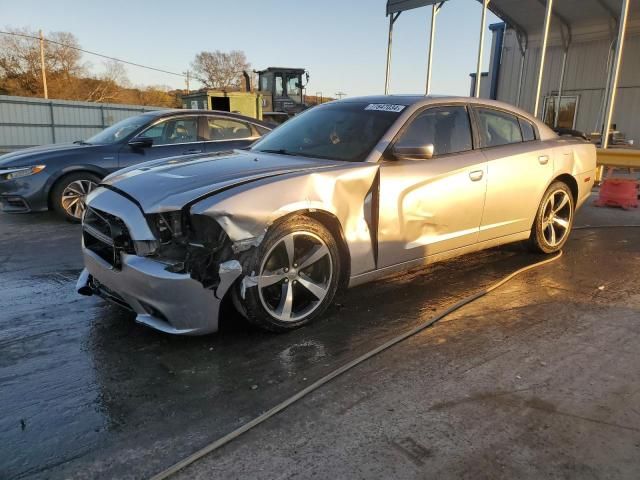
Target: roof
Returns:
[278, 69]
[182, 111]
[528, 15]
[408, 99]
[412, 99]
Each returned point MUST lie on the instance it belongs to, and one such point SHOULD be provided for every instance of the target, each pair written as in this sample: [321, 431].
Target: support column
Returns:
[523, 44]
[543, 53]
[522, 58]
[434, 12]
[485, 4]
[622, 29]
[392, 20]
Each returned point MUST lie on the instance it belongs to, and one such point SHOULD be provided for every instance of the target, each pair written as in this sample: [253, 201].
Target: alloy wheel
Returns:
[556, 218]
[74, 197]
[295, 276]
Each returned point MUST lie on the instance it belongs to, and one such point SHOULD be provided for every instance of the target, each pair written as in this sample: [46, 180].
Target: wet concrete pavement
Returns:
[540, 377]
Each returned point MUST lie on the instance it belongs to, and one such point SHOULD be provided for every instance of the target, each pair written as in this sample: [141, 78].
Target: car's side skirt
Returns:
[401, 267]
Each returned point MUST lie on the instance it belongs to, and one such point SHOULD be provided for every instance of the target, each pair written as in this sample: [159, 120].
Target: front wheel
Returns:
[69, 195]
[295, 271]
[554, 219]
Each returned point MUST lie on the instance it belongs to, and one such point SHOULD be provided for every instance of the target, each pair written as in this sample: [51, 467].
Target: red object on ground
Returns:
[618, 192]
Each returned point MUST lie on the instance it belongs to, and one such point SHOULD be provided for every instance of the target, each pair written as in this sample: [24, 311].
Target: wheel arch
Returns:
[328, 220]
[571, 182]
[71, 171]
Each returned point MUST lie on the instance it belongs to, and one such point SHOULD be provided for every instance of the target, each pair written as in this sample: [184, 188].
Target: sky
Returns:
[341, 43]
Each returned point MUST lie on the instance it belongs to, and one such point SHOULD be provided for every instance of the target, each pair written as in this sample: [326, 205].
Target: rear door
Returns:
[519, 167]
[225, 133]
[171, 136]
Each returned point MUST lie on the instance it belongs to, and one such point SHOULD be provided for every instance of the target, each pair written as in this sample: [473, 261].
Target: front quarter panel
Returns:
[345, 192]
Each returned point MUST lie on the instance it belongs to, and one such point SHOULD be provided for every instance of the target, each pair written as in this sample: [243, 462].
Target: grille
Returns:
[106, 235]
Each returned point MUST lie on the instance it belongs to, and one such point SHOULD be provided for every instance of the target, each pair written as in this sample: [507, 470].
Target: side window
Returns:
[261, 130]
[498, 128]
[225, 129]
[154, 132]
[174, 130]
[446, 127]
[528, 133]
[279, 86]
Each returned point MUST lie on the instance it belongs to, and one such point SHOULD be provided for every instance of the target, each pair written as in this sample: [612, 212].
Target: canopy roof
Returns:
[528, 15]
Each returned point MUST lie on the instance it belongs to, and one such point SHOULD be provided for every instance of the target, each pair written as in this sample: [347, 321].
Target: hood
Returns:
[27, 156]
[170, 184]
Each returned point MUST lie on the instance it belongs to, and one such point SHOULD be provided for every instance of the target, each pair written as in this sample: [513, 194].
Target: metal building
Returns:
[581, 55]
[589, 44]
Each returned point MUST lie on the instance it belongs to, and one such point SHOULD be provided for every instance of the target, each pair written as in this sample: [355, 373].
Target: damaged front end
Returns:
[174, 278]
[195, 245]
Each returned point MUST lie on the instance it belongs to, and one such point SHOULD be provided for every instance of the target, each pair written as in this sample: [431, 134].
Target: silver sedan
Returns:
[343, 194]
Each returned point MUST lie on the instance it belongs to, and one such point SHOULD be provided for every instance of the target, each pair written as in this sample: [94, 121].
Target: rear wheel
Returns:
[296, 275]
[69, 195]
[554, 219]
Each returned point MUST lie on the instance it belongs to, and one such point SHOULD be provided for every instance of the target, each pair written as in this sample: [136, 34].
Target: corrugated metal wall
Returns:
[26, 122]
[585, 77]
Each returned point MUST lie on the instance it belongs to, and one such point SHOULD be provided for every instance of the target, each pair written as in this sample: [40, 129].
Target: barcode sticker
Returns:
[385, 107]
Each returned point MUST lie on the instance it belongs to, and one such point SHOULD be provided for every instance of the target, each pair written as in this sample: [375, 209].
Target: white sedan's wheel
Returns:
[297, 269]
[554, 219]
[295, 276]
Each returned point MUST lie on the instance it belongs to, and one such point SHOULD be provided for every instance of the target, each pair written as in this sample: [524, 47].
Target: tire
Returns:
[69, 194]
[554, 219]
[279, 276]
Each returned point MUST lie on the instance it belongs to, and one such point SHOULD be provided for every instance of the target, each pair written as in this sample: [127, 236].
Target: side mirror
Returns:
[413, 152]
[141, 142]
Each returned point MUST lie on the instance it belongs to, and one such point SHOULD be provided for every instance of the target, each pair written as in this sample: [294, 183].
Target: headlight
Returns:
[19, 172]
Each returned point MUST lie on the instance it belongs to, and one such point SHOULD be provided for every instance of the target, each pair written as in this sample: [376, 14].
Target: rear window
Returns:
[498, 128]
[528, 132]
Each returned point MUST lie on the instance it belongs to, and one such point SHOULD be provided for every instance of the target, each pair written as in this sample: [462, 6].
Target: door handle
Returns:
[192, 150]
[543, 159]
[476, 175]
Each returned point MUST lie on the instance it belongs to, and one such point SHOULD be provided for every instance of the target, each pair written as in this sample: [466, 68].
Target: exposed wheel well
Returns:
[571, 183]
[62, 177]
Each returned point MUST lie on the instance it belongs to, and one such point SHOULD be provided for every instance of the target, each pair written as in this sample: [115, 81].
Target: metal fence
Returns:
[27, 122]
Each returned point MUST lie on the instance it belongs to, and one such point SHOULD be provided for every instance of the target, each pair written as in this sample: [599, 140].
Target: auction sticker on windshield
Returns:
[385, 107]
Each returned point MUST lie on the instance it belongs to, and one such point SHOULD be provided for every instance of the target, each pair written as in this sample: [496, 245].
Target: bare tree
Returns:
[108, 85]
[20, 61]
[219, 69]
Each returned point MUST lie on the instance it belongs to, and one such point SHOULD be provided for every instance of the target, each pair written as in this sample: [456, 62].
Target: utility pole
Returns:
[187, 74]
[340, 95]
[42, 68]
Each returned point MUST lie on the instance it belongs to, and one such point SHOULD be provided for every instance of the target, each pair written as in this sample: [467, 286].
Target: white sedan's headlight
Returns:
[19, 172]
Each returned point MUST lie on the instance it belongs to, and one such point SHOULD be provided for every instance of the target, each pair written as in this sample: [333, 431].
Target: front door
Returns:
[171, 137]
[432, 206]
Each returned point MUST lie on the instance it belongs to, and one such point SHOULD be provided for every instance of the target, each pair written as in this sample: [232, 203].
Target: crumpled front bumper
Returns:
[170, 302]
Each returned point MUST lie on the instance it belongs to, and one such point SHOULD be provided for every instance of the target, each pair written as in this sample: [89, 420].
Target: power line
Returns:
[97, 54]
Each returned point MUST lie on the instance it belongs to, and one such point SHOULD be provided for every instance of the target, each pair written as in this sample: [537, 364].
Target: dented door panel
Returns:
[430, 206]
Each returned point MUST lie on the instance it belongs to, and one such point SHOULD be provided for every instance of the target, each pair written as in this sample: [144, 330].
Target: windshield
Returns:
[119, 131]
[338, 131]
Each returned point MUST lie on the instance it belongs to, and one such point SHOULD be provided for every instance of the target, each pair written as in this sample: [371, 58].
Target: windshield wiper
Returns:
[279, 151]
[81, 142]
